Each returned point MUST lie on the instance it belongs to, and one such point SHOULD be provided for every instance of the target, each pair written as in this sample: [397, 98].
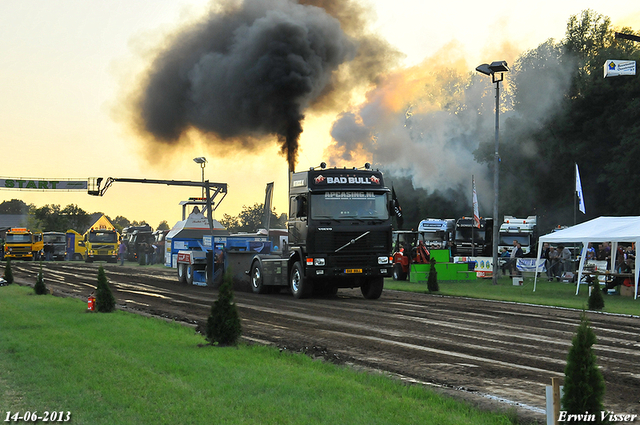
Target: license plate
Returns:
[353, 271]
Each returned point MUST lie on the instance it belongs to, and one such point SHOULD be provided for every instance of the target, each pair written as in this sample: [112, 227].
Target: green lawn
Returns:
[547, 293]
[122, 368]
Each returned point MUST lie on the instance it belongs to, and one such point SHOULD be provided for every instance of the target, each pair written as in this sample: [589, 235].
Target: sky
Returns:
[67, 65]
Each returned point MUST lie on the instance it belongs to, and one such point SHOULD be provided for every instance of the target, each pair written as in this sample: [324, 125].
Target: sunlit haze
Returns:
[67, 67]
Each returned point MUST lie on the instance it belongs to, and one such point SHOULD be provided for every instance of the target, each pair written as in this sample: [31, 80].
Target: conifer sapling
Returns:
[105, 301]
[595, 302]
[40, 288]
[432, 280]
[8, 274]
[584, 385]
[223, 324]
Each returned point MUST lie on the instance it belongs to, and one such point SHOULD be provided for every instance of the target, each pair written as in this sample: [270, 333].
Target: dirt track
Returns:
[496, 355]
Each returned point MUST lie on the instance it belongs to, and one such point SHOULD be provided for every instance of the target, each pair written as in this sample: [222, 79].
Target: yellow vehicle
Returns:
[76, 249]
[23, 244]
[101, 241]
[102, 245]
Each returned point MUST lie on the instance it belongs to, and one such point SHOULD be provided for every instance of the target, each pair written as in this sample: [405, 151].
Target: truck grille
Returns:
[374, 242]
[355, 261]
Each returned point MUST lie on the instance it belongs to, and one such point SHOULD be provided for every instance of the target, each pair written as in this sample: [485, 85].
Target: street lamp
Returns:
[203, 162]
[498, 67]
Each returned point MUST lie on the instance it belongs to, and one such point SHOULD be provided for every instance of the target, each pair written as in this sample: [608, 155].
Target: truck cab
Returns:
[523, 230]
[59, 242]
[102, 245]
[437, 233]
[471, 241]
[23, 244]
[339, 235]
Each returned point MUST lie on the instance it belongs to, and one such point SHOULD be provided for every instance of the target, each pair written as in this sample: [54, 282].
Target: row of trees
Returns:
[253, 218]
[559, 110]
[56, 219]
[53, 218]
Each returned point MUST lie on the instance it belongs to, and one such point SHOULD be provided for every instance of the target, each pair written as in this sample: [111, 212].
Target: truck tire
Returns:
[182, 273]
[301, 287]
[257, 281]
[398, 274]
[189, 274]
[372, 288]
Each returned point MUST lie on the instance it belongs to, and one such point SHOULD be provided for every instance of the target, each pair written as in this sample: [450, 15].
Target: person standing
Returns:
[553, 263]
[565, 259]
[122, 251]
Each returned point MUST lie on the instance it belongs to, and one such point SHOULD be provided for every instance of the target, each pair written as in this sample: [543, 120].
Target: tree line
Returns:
[54, 218]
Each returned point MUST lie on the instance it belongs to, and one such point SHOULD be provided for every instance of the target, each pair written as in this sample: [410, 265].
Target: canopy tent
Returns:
[601, 229]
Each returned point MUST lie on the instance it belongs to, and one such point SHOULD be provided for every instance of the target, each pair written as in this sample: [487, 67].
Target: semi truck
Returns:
[23, 244]
[59, 242]
[471, 241]
[523, 230]
[76, 249]
[101, 245]
[338, 236]
[437, 233]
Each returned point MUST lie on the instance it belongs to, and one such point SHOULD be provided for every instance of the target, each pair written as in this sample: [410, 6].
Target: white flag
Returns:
[476, 214]
[579, 192]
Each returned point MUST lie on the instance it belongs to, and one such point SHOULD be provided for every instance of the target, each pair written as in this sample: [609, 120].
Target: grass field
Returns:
[547, 293]
[122, 368]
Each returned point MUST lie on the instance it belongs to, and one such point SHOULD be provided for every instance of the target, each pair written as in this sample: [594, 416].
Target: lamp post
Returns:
[498, 67]
[203, 162]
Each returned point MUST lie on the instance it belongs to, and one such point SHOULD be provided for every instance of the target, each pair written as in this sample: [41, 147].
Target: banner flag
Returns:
[397, 209]
[476, 214]
[581, 206]
[268, 200]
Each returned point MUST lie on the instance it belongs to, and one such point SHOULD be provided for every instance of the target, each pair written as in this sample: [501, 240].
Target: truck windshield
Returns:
[104, 237]
[508, 238]
[464, 234]
[54, 238]
[18, 238]
[349, 205]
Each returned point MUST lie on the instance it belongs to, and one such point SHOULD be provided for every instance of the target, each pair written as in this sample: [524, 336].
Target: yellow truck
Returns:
[76, 249]
[23, 244]
[101, 241]
[101, 245]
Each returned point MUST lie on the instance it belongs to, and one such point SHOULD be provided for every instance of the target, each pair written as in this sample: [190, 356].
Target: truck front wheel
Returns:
[182, 273]
[257, 282]
[189, 274]
[398, 274]
[372, 288]
[301, 287]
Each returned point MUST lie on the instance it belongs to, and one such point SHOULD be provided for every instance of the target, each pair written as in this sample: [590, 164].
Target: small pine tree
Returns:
[8, 274]
[223, 324]
[40, 288]
[596, 301]
[583, 384]
[432, 281]
[105, 301]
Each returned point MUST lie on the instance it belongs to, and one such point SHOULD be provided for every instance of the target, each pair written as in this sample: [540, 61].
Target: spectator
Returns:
[591, 252]
[511, 264]
[122, 251]
[565, 259]
[554, 260]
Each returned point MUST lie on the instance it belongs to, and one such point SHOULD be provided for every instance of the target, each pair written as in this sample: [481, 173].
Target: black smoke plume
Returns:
[248, 70]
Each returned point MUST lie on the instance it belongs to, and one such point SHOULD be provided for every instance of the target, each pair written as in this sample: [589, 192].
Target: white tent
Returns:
[601, 229]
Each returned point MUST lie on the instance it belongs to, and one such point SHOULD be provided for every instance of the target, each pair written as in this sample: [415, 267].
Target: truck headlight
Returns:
[318, 261]
[383, 260]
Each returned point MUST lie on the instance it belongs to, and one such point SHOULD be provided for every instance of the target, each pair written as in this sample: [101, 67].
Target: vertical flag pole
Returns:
[575, 196]
[473, 222]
